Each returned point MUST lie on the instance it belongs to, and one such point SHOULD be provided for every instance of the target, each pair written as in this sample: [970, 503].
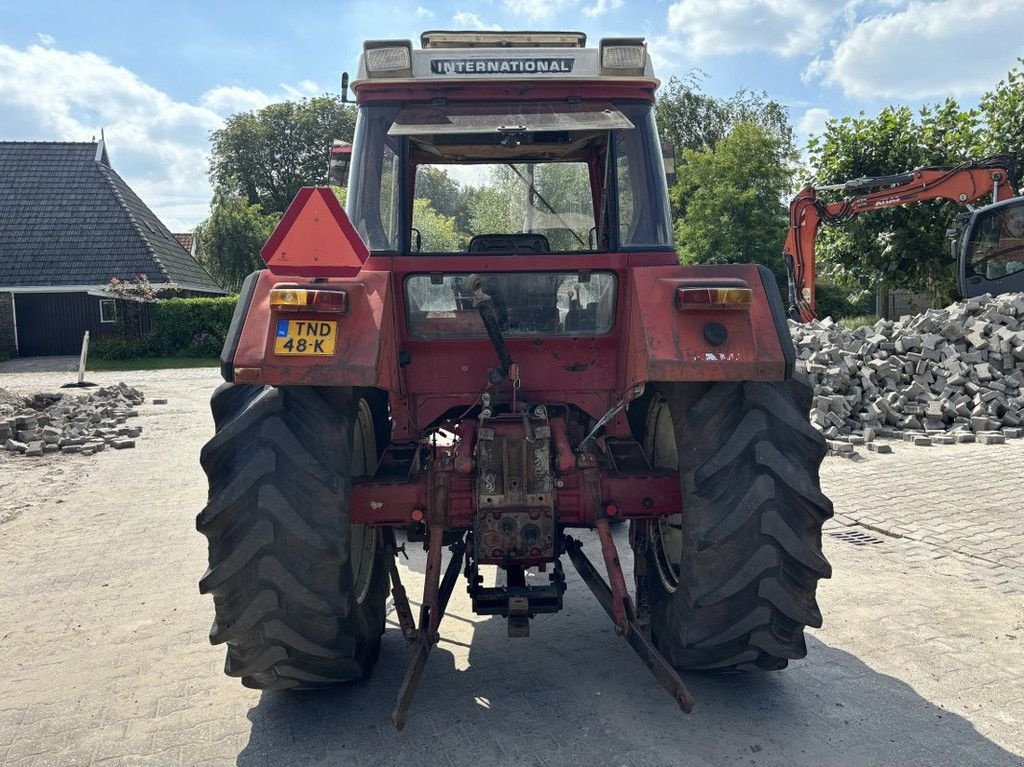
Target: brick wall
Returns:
[7, 324]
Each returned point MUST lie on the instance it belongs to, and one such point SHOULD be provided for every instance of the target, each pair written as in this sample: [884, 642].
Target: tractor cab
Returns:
[482, 146]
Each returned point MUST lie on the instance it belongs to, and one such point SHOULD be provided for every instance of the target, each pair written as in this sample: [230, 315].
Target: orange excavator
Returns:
[989, 254]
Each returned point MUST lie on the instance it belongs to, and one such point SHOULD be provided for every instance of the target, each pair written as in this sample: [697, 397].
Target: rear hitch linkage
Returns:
[435, 600]
[401, 600]
[616, 602]
[614, 599]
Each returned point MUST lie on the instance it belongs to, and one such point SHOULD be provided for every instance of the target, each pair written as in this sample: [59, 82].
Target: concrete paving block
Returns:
[839, 447]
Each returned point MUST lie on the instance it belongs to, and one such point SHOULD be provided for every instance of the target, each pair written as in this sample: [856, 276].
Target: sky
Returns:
[158, 77]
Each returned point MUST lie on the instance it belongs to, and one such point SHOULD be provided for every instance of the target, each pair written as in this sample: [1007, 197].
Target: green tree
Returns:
[1002, 109]
[229, 241]
[691, 119]
[687, 117]
[446, 195]
[730, 198]
[438, 232]
[902, 247]
[492, 210]
[265, 156]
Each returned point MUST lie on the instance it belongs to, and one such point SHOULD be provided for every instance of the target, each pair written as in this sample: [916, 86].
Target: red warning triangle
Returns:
[315, 238]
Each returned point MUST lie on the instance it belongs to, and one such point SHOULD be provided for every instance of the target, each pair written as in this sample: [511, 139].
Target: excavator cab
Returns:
[991, 256]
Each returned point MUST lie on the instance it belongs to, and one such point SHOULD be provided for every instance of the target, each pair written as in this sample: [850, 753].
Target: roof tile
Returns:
[68, 219]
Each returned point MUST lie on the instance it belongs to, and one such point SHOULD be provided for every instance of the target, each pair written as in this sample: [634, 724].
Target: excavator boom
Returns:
[962, 185]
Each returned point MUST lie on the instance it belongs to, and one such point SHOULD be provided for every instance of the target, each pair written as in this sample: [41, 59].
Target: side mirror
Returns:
[417, 240]
[955, 233]
[338, 164]
[668, 156]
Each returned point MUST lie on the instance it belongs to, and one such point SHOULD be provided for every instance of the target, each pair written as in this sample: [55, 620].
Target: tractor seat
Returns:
[509, 243]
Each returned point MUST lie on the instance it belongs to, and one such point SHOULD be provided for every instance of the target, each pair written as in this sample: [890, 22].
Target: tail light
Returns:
[714, 296]
[288, 298]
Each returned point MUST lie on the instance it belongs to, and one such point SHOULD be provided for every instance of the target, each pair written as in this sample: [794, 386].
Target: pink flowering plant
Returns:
[131, 294]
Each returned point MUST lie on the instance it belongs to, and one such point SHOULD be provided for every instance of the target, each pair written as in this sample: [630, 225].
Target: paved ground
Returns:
[39, 365]
[105, 658]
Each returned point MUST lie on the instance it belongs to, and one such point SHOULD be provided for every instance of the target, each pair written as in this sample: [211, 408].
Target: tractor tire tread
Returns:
[752, 516]
[279, 548]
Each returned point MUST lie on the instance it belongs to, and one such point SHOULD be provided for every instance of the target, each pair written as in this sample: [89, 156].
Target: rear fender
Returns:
[667, 344]
[364, 353]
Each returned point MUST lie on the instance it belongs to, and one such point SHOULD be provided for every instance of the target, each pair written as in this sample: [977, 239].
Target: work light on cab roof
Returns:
[497, 54]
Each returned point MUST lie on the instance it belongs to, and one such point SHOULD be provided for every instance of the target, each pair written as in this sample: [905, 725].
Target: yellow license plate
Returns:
[307, 337]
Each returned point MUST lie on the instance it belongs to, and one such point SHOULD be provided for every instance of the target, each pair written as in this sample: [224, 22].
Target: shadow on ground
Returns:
[39, 365]
[573, 694]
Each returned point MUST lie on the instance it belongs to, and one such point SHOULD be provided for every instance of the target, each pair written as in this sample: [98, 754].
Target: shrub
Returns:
[190, 327]
[119, 348]
[833, 301]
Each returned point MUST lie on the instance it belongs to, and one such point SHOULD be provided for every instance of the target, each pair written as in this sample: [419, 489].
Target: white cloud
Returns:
[928, 49]
[466, 20]
[601, 7]
[157, 143]
[424, 13]
[812, 122]
[535, 10]
[546, 10]
[665, 51]
[45, 39]
[228, 99]
[785, 27]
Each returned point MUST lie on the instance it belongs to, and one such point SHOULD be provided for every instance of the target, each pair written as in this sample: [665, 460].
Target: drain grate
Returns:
[857, 538]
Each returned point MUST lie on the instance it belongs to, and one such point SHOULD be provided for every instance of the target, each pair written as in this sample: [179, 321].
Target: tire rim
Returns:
[664, 534]
[364, 538]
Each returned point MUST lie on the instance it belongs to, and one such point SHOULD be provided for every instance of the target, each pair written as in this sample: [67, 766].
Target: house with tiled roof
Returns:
[68, 224]
[187, 240]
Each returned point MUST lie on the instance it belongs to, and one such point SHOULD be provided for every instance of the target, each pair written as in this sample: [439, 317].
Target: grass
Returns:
[153, 363]
[855, 322]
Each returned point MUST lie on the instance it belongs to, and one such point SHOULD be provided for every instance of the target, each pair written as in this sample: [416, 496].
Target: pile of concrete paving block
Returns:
[56, 423]
[944, 376]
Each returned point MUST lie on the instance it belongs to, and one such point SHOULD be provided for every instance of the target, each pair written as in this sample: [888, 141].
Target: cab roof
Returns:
[535, 57]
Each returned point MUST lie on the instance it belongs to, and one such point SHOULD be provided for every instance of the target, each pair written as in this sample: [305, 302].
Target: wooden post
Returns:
[83, 358]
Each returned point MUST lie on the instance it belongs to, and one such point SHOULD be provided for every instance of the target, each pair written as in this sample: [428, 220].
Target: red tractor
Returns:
[486, 380]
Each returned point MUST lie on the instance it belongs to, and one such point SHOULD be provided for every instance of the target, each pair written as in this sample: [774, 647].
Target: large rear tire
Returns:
[731, 581]
[299, 592]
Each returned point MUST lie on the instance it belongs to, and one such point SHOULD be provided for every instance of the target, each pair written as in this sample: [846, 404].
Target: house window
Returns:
[107, 311]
